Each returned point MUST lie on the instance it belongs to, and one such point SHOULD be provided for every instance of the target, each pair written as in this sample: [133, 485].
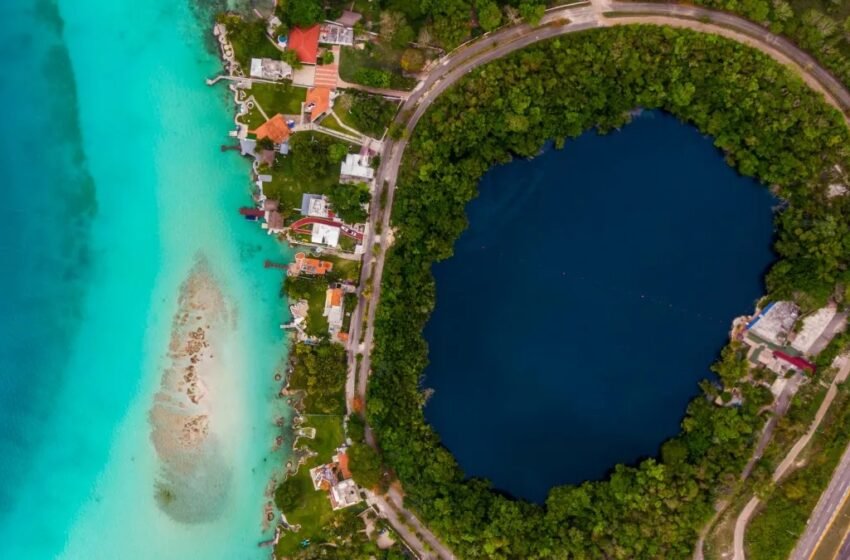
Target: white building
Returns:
[314, 205]
[269, 69]
[775, 322]
[355, 169]
[325, 235]
[344, 494]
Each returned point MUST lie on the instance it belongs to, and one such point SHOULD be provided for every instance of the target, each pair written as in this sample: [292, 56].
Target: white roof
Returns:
[813, 327]
[325, 234]
[356, 165]
[270, 69]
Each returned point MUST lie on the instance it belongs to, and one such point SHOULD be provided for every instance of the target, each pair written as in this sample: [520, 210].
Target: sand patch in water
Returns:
[194, 478]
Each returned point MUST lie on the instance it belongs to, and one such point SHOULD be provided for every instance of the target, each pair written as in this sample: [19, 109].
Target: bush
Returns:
[373, 77]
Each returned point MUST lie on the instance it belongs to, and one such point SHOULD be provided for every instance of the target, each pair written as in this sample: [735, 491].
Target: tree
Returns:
[489, 15]
[337, 152]
[327, 57]
[288, 495]
[365, 465]
[291, 58]
[412, 60]
[301, 13]
[394, 29]
[348, 201]
[532, 12]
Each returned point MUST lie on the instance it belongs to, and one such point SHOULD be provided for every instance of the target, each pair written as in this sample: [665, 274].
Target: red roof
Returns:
[320, 98]
[796, 361]
[305, 43]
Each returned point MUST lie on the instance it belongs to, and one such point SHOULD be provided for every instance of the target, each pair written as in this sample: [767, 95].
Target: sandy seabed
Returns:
[194, 478]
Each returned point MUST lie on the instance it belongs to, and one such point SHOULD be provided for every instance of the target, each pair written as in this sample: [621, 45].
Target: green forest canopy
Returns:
[769, 125]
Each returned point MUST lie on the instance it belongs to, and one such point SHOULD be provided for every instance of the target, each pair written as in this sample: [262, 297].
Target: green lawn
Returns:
[253, 119]
[314, 512]
[374, 112]
[279, 98]
[344, 269]
[378, 57]
[288, 188]
[317, 323]
[330, 122]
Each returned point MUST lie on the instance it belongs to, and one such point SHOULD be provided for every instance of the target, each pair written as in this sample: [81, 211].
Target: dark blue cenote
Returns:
[592, 291]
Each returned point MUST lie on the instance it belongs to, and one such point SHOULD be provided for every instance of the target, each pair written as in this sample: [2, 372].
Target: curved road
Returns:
[557, 21]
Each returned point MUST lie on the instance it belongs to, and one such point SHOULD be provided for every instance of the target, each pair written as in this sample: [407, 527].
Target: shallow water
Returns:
[591, 292]
[117, 188]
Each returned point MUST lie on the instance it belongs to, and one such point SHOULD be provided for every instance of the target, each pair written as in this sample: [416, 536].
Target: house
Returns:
[335, 479]
[275, 129]
[269, 69]
[323, 477]
[344, 494]
[274, 220]
[355, 168]
[324, 234]
[305, 43]
[266, 157]
[774, 323]
[318, 102]
[315, 205]
[334, 310]
[305, 265]
[333, 33]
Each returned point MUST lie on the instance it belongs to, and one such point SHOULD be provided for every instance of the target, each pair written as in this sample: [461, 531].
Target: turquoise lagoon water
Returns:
[115, 185]
[627, 257]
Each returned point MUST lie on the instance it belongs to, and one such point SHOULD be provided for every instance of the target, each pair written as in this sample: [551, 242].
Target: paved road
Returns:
[494, 45]
[843, 363]
[826, 507]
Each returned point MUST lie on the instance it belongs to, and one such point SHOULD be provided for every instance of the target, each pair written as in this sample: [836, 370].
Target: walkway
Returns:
[346, 230]
[843, 363]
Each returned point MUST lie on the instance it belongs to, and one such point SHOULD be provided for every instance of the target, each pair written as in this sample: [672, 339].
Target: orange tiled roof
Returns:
[336, 297]
[305, 43]
[312, 266]
[343, 465]
[320, 97]
[275, 128]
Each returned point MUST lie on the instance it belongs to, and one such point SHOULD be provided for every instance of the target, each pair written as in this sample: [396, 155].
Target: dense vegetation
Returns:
[773, 533]
[320, 371]
[822, 27]
[348, 201]
[769, 124]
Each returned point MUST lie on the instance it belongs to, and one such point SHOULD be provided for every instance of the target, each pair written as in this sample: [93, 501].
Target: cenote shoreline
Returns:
[590, 294]
[501, 111]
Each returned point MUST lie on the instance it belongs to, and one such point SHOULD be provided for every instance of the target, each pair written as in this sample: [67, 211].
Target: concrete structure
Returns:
[356, 169]
[775, 322]
[344, 494]
[813, 327]
[332, 33]
[325, 235]
[349, 18]
[315, 205]
[269, 69]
